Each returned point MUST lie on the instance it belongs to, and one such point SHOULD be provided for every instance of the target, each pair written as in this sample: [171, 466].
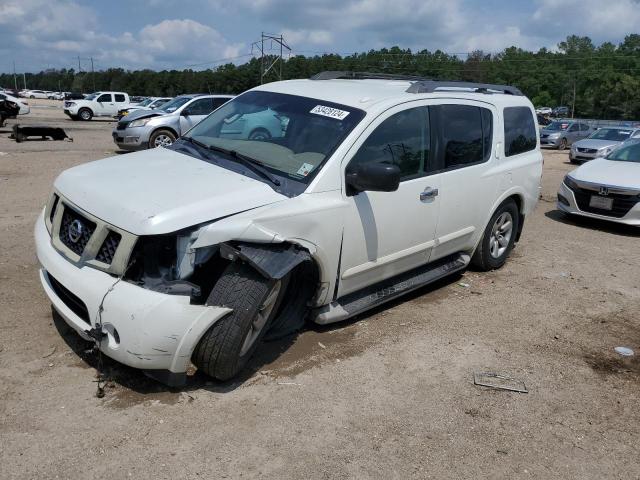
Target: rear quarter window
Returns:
[519, 131]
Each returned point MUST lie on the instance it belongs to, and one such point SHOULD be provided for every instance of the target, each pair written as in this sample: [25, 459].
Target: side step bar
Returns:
[370, 297]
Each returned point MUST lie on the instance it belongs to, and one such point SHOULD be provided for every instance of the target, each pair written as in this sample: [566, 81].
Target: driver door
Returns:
[194, 113]
[387, 233]
[104, 105]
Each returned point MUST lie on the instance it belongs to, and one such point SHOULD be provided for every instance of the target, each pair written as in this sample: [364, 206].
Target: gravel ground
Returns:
[389, 395]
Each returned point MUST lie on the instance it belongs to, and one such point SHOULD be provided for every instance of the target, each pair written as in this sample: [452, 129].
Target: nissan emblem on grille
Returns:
[75, 231]
[604, 191]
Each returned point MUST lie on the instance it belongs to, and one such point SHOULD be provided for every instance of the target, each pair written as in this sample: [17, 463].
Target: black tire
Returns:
[259, 134]
[483, 259]
[85, 114]
[158, 135]
[219, 352]
[563, 144]
[32, 96]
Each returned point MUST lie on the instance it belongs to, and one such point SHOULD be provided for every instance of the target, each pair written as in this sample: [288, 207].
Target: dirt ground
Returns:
[387, 396]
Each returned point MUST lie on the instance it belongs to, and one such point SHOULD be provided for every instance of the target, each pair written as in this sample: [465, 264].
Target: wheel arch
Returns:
[164, 127]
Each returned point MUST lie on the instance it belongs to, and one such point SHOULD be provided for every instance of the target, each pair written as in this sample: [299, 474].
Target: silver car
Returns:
[159, 128]
[600, 143]
[563, 133]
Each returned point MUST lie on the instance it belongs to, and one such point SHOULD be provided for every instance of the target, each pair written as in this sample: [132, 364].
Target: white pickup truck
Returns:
[99, 104]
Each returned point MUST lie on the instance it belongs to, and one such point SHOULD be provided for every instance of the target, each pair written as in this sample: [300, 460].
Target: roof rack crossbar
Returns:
[344, 74]
[430, 86]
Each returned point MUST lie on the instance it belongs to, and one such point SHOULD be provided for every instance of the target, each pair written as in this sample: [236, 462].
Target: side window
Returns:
[119, 97]
[519, 131]
[466, 134]
[218, 101]
[573, 128]
[105, 97]
[403, 140]
[584, 127]
[203, 106]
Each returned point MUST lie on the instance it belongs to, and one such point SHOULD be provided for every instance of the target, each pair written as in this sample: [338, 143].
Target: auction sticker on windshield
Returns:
[329, 112]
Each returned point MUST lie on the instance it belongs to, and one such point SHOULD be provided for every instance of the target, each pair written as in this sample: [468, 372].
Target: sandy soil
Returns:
[387, 396]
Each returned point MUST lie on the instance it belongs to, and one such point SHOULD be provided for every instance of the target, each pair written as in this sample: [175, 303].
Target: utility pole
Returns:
[24, 79]
[79, 67]
[93, 75]
[573, 104]
[15, 79]
[267, 62]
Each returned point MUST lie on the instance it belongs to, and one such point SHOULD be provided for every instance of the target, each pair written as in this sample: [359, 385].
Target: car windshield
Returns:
[626, 152]
[557, 126]
[174, 104]
[614, 134]
[289, 135]
[145, 102]
[91, 96]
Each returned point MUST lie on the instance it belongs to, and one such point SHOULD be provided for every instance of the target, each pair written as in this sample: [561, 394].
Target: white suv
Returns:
[371, 187]
[99, 104]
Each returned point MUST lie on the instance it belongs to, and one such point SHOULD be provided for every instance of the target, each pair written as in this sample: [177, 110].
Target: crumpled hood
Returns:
[160, 191]
[139, 113]
[609, 172]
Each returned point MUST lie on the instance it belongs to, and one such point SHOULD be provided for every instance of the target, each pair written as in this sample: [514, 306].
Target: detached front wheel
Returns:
[229, 344]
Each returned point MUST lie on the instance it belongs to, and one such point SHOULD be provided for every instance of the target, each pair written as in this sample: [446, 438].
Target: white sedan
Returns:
[36, 94]
[24, 106]
[605, 188]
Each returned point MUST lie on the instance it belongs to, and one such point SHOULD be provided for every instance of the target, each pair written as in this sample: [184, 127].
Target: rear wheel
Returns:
[229, 344]
[161, 138]
[498, 238]
[260, 135]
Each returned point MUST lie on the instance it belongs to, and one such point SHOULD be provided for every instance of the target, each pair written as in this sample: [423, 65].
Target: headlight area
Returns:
[140, 123]
[167, 264]
[570, 183]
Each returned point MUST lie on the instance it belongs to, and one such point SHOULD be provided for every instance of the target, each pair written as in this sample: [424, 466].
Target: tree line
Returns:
[597, 81]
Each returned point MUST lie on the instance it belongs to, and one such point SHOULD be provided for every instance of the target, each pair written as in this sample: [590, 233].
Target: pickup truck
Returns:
[99, 104]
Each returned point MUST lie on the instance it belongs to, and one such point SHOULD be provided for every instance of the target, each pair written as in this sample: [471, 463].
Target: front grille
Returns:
[74, 303]
[621, 203]
[109, 247]
[75, 230]
[587, 150]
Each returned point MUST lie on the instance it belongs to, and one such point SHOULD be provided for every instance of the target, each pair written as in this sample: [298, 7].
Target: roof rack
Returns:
[421, 84]
[334, 75]
[430, 86]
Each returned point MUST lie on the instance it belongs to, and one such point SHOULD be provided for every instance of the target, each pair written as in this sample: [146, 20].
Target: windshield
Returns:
[91, 96]
[626, 152]
[145, 102]
[174, 104]
[557, 126]
[614, 134]
[289, 135]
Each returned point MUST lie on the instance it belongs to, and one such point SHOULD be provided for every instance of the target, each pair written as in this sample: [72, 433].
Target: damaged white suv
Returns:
[360, 188]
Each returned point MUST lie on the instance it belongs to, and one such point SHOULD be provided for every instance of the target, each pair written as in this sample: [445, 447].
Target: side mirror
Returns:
[184, 113]
[373, 177]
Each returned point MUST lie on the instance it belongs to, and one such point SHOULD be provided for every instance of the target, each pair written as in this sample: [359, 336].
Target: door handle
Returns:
[429, 193]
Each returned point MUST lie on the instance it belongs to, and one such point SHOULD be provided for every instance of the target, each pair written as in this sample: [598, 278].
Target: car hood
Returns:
[160, 191]
[597, 144]
[140, 113]
[609, 172]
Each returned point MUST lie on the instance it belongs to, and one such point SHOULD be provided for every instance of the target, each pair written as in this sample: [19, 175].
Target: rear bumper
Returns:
[631, 218]
[144, 329]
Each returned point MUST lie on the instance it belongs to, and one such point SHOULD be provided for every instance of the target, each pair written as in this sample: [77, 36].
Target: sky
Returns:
[168, 34]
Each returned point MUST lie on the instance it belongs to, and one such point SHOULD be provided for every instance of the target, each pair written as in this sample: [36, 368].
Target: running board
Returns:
[370, 297]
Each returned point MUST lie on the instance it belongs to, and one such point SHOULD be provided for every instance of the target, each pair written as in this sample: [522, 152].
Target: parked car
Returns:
[561, 134]
[35, 94]
[606, 188]
[544, 110]
[22, 105]
[600, 143]
[8, 109]
[143, 129]
[542, 120]
[560, 112]
[216, 241]
[99, 104]
[135, 100]
[150, 103]
[55, 95]
[73, 96]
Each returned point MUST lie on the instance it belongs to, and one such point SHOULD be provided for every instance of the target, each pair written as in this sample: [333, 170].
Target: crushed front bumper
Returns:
[143, 329]
[136, 138]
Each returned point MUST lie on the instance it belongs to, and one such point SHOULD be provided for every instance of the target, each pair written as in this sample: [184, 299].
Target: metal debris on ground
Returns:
[624, 351]
[499, 382]
[464, 285]
[322, 345]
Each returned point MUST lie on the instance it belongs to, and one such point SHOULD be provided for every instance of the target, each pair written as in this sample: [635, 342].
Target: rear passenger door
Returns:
[469, 180]
[120, 101]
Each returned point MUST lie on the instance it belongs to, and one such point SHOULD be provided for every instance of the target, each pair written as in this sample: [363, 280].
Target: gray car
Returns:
[600, 143]
[159, 128]
[563, 133]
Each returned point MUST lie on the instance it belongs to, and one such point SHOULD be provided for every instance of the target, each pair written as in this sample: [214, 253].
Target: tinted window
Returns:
[573, 128]
[584, 127]
[219, 101]
[119, 97]
[203, 106]
[519, 131]
[402, 140]
[466, 134]
[105, 97]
